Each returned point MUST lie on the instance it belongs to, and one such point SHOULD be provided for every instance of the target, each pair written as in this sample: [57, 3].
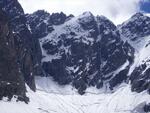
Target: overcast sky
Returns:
[116, 10]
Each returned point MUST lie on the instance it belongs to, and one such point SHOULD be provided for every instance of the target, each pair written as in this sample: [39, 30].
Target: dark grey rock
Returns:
[28, 48]
[136, 27]
[11, 79]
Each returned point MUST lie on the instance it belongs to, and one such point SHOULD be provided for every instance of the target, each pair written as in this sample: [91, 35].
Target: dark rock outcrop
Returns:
[41, 22]
[140, 78]
[11, 78]
[136, 27]
[25, 43]
[147, 108]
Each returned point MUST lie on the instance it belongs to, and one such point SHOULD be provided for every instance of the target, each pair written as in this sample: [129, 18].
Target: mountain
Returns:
[137, 31]
[82, 50]
[61, 57]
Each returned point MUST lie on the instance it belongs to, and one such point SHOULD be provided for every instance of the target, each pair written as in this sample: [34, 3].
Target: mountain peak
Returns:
[87, 13]
[86, 16]
[102, 20]
[139, 14]
[87, 21]
[137, 26]
[138, 17]
[40, 12]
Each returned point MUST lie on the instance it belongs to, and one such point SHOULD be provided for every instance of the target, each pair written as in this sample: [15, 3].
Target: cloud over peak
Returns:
[116, 10]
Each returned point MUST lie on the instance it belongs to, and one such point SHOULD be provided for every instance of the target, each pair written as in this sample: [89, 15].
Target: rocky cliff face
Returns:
[11, 79]
[25, 43]
[136, 27]
[83, 51]
[41, 22]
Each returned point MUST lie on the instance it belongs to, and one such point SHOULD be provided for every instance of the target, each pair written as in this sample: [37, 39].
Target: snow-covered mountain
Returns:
[137, 32]
[78, 64]
[83, 49]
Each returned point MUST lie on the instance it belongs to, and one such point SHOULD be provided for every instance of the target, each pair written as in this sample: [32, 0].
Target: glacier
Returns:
[52, 98]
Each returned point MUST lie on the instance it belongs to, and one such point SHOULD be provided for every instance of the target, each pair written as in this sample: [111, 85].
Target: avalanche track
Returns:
[49, 100]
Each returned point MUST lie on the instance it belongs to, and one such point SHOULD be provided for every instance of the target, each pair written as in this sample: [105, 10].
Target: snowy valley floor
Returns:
[50, 98]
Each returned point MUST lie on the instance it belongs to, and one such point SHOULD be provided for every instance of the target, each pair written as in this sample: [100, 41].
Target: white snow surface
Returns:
[46, 100]
[142, 52]
[147, 14]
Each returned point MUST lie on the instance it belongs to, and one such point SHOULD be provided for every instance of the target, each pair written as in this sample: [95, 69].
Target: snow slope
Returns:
[142, 53]
[147, 14]
[46, 101]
